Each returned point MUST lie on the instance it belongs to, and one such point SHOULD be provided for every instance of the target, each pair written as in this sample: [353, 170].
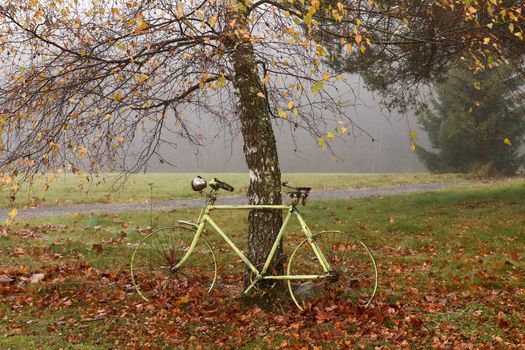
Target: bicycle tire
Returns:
[154, 270]
[354, 277]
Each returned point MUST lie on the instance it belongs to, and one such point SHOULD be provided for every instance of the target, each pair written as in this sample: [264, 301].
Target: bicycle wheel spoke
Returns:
[155, 257]
[156, 254]
[353, 272]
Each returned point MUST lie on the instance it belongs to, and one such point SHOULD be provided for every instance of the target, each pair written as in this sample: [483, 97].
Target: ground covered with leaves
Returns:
[451, 267]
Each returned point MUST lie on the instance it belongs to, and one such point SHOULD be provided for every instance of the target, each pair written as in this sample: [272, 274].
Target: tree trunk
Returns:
[260, 149]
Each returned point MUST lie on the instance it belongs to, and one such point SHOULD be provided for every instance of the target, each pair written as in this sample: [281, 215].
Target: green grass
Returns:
[71, 189]
[453, 259]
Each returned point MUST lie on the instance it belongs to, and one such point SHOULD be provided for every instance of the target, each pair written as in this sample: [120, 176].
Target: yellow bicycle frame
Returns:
[204, 219]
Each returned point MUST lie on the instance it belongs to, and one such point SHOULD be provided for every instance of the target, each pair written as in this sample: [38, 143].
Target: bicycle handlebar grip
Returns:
[224, 185]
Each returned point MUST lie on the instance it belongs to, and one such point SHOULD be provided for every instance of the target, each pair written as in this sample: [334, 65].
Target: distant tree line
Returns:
[476, 123]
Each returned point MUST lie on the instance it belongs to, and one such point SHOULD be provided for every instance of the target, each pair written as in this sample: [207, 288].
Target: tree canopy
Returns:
[413, 43]
[82, 81]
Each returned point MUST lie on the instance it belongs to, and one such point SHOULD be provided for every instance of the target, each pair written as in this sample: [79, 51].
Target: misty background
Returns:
[389, 152]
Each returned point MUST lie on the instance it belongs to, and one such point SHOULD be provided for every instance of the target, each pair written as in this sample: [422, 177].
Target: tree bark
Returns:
[260, 149]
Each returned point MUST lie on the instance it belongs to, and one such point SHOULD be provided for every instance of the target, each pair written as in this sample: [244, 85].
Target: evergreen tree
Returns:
[477, 123]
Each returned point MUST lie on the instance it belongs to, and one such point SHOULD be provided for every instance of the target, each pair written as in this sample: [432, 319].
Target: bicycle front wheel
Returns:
[156, 271]
[352, 276]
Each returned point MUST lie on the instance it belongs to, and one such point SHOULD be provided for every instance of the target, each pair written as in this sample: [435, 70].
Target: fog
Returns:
[389, 152]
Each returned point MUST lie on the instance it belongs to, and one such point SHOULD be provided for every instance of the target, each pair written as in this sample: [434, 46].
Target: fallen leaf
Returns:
[5, 279]
[36, 278]
[97, 247]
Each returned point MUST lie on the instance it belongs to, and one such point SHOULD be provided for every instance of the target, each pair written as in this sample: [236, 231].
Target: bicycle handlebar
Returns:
[216, 183]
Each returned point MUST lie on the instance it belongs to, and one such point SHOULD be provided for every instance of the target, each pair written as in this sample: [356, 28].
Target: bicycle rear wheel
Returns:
[155, 273]
[353, 275]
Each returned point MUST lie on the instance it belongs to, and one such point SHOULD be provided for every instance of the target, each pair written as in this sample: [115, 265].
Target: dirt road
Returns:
[191, 203]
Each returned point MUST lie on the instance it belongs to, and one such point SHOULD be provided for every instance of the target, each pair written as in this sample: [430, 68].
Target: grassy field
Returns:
[71, 189]
[452, 275]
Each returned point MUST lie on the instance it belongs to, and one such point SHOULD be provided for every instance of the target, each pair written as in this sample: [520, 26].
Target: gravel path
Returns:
[192, 203]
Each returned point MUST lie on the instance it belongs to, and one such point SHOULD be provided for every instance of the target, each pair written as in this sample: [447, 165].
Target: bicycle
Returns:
[330, 262]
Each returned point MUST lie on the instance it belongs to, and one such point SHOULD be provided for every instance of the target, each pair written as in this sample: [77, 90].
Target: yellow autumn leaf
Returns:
[337, 16]
[213, 20]
[291, 104]
[107, 116]
[413, 135]
[317, 86]
[13, 213]
[120, 139]
[282, 113]
[182, 300]
[140, 78]
[471, 10]
[343, 130]
[326, 76]
[221, 82]
[319, 51]
[330, 135]
[507, 141]
[118, 96]
[142, 25]
[322, 143]
[261, 95]
[413, 147]
[358, 38]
